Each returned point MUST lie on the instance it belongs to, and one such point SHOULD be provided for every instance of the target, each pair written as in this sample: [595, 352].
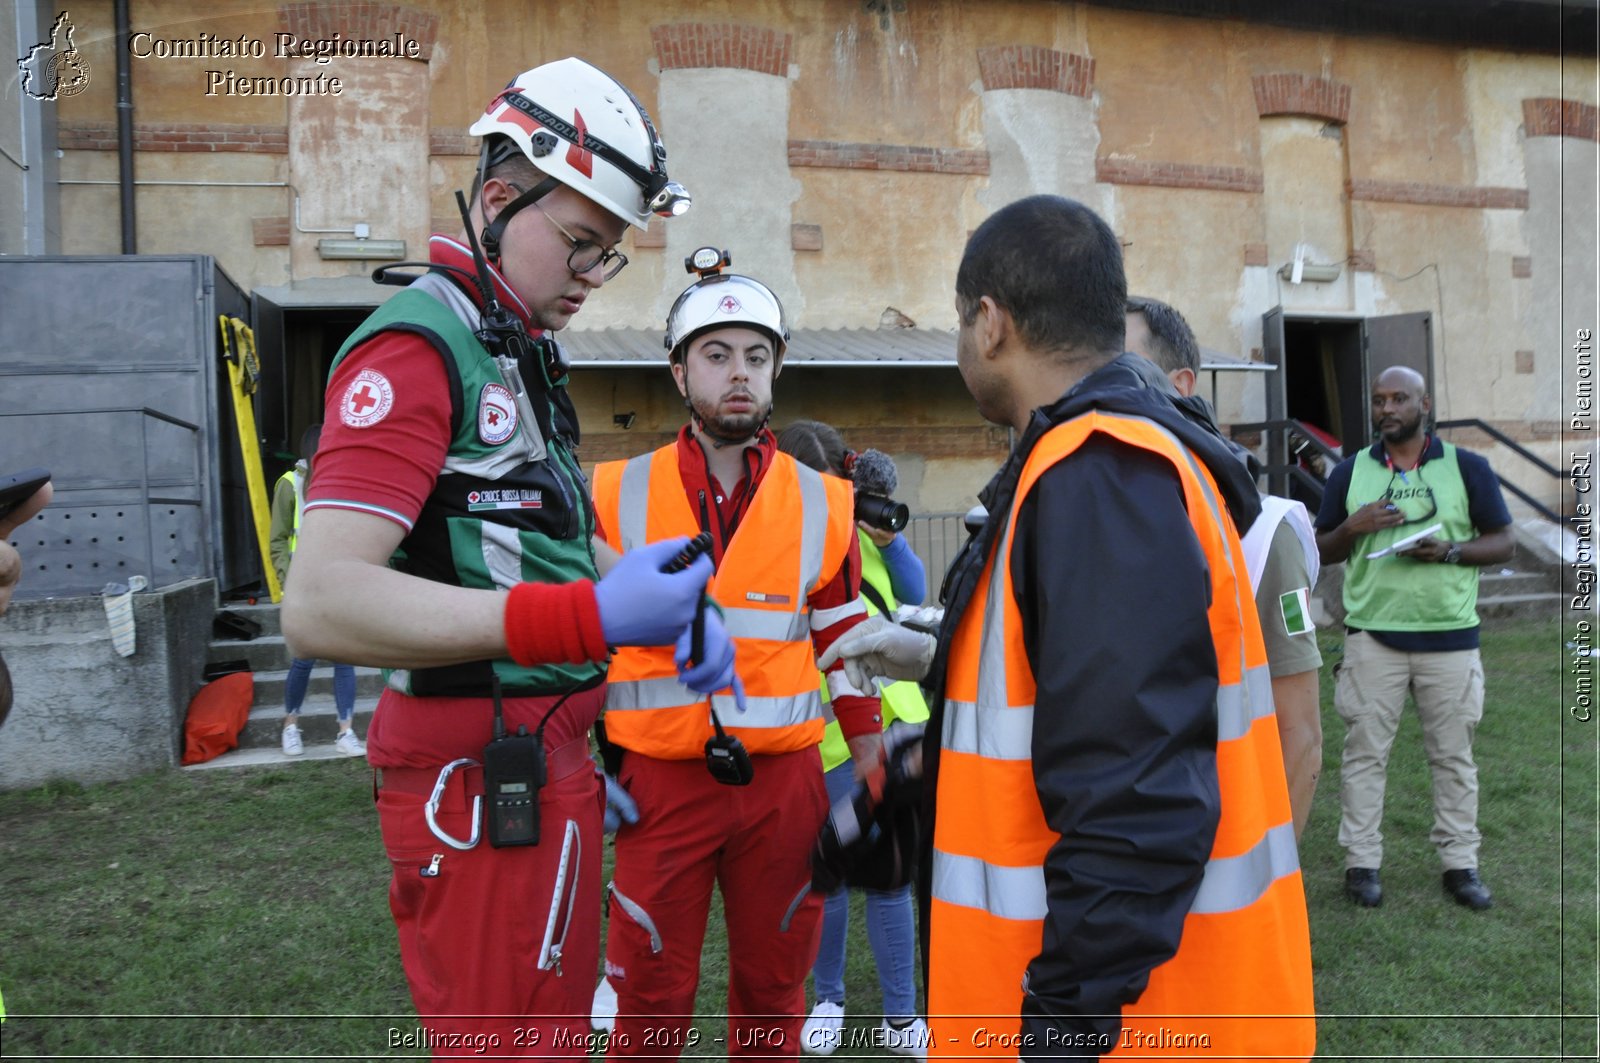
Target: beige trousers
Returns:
[1369, 696]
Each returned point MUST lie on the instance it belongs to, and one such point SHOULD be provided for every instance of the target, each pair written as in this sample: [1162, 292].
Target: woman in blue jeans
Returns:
[891, 575]
[288, 500]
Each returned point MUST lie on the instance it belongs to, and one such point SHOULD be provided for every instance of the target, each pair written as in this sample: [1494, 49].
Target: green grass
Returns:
[1422, 976]
[243, 911]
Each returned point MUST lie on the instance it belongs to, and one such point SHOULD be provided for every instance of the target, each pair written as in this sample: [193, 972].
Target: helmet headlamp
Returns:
[670, 200]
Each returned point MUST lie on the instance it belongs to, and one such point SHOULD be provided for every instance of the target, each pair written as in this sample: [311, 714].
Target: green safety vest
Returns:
[1396, 593]
[293, 476]
[509, 504]
[902, 700]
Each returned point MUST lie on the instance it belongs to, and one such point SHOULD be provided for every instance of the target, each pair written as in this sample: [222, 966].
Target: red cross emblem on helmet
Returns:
[729, 305]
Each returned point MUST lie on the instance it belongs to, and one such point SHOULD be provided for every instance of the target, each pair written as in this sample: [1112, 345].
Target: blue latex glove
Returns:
[620, 806]
[713, 673]
[642, 606]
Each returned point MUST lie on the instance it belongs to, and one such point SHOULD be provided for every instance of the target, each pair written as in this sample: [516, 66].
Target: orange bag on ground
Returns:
[216, 716]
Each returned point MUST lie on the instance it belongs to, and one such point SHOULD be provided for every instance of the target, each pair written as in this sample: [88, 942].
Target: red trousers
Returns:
[474, 924]
[754, 842]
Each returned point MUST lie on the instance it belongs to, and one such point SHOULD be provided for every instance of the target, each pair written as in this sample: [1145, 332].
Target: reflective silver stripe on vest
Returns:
[502, 553]
[813, 526]
[766, 624]
[1240, 705]
[999, 732]
[633, 503]
[1236, 882]
[1229, 885]
[1006, 892]
[668, 693]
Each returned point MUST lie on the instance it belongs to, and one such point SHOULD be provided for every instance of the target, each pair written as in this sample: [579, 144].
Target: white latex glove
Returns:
[875, 647]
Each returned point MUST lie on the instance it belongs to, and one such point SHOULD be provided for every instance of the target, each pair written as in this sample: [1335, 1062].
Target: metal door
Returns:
[1398, 339]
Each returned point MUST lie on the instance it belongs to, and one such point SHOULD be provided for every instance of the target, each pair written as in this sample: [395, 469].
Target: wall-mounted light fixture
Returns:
[1310, 271]
[392, 250]
[623, 421]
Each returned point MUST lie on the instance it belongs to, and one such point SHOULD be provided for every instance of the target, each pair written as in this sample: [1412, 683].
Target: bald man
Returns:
[1412, 625]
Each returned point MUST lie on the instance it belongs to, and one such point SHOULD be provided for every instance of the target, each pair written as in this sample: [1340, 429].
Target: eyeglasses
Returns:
[586, 254]
[1422, 490]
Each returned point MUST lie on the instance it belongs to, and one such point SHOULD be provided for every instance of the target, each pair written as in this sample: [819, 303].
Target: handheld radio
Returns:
[686, 557]
[513, 772]
[726, 758]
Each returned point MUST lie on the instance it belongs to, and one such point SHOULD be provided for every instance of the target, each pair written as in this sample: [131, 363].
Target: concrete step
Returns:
[270, 683]
[265, 756]
[1539, 605]
[264, 654]
[263, 613]
[319, 721]
[1501, 581]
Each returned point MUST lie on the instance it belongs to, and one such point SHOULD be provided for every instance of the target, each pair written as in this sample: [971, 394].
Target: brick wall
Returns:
[1301, 94]
[851, 156]
[360, 20]
[1026, 66]
[1431, 195]
[176, 136]
[1120, 171]
[684, 45]
[1554, 117]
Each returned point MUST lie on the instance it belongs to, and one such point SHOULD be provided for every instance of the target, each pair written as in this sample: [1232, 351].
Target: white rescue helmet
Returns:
[723, 300]
[580, 126]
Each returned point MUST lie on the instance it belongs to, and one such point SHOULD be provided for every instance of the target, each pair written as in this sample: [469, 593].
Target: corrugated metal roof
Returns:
[611, 348]
[1216, 360]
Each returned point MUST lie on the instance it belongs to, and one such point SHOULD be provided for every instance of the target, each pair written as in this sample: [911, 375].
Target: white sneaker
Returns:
[603, 1013]
[823, 1032]
[348, 744]
[909, 1040]
[292, 746]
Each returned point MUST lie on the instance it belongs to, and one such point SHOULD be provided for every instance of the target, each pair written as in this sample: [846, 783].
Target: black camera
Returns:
[882, 512]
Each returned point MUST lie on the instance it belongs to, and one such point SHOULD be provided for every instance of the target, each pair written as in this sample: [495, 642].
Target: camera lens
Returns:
[882, 512]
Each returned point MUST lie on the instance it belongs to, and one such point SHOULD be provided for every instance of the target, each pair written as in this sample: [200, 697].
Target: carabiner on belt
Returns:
[433, 806]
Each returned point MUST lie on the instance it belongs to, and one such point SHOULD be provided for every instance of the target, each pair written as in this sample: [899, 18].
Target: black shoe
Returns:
[1468, 889]
[1362, 886]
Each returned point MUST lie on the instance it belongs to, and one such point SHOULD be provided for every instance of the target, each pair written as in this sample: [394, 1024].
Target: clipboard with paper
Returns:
[1406, 543]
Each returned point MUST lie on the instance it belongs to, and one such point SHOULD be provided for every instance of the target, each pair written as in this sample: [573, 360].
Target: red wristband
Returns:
[858, 715]
[554, 624]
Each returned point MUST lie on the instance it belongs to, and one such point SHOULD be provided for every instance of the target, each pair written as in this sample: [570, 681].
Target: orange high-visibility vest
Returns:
[792, 541]
[1240, 983]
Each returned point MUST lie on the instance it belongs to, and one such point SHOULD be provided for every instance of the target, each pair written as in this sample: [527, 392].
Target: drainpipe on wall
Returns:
[130, 240]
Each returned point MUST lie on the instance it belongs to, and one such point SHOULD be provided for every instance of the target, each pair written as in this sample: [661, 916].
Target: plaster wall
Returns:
[1040, 142]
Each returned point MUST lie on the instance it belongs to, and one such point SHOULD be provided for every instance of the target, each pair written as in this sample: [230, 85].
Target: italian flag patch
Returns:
[1296, 607]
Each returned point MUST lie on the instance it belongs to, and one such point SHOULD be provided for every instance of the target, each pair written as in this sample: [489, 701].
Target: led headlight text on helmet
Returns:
[662, 196]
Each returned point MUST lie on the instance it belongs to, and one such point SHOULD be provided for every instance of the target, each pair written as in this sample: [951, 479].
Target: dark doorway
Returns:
[1325, 368]
[297, 345]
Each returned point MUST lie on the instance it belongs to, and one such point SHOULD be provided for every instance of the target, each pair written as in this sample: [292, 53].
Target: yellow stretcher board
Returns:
[244, 373]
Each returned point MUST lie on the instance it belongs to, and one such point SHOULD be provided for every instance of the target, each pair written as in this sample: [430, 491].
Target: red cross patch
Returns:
[497, 414]
[729, 305]
[367, 400]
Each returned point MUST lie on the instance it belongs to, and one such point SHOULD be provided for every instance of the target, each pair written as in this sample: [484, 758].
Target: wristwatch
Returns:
[1452, 556]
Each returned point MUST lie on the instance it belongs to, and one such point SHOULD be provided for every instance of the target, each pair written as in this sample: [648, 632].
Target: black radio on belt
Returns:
[513, 772]
[726, 758]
